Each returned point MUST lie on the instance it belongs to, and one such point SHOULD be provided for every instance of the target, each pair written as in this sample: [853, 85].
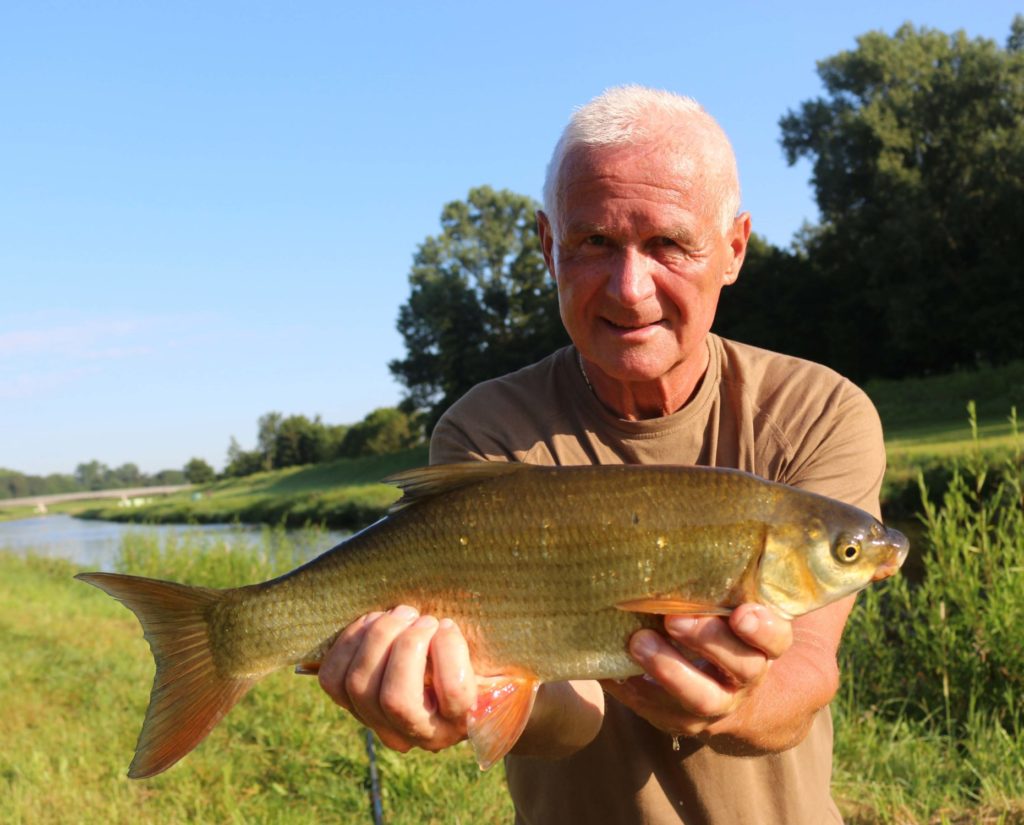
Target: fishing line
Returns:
[376, 806]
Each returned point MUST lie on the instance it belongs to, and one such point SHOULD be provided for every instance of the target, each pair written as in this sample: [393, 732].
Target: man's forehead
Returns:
[671, 163]
[598, 181]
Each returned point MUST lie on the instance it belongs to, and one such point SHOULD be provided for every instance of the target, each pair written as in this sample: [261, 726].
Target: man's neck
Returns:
[639, 400]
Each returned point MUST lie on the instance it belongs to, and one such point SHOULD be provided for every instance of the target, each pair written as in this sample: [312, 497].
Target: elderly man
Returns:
[730, 725]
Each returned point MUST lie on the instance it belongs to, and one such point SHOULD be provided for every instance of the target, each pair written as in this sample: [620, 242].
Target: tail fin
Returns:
[189, 696]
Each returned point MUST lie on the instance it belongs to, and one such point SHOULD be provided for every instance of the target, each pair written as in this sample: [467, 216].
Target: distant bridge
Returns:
[41, 502]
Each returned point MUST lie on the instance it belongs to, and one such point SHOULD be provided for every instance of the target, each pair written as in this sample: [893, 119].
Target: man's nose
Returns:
[631, 281]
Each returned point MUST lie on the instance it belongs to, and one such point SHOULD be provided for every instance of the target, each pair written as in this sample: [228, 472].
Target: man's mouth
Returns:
[630, 326]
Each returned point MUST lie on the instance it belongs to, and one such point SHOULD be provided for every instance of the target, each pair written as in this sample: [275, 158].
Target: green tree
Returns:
[92, 475]
[266, 438]
[777, 303]
[127, 475]
[198, 471]
[918, 158]
[242, 462]
[481, 303]
[163, 477]
[385, 430]
[299, 440]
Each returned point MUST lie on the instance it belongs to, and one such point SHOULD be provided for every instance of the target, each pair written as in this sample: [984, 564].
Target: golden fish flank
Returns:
[542, 591]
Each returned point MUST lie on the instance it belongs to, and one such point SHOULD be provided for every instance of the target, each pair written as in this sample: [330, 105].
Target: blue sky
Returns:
[208, 210]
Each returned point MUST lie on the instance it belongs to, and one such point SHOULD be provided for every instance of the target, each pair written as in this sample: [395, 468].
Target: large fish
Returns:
[546, 570]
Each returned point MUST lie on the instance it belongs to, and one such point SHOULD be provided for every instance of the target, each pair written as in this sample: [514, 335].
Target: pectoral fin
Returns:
[672, 607]
[503, 707]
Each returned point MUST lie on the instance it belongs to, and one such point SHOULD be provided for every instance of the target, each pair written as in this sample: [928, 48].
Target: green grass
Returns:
[74, 682]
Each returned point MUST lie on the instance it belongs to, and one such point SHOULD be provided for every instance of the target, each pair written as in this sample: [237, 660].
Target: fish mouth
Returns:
[900, 547]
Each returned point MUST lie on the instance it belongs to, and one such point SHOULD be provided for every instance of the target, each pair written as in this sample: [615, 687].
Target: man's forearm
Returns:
[566, 717]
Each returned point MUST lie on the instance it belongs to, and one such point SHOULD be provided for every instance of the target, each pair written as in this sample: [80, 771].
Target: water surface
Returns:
[95, 544]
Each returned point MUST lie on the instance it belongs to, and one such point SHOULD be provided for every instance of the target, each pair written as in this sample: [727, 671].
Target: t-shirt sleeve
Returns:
[450, 443]
[843, 453]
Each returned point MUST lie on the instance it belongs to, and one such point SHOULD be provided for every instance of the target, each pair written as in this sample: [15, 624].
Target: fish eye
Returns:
[847, 551]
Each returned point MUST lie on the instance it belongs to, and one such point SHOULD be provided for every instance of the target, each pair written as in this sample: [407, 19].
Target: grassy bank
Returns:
[345, 494]
[927, 428]
[74, 681]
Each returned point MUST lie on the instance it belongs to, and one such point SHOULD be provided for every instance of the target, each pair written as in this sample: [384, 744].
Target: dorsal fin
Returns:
[423, 483]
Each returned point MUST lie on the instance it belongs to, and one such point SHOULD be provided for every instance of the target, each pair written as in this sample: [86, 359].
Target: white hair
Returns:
[625, 114]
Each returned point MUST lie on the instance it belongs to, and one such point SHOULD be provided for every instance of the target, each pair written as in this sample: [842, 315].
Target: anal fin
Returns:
[503, 708]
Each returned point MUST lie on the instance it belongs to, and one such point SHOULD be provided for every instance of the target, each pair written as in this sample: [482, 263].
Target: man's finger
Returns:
[693, 690]
[713, 640]
[760, 627]
[363, 678]
[452, 672]
[336, 662]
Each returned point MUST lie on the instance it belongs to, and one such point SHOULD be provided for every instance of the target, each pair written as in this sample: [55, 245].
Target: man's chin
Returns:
[633, 366]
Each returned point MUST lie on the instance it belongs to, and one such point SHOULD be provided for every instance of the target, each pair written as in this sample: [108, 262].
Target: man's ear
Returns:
[547, 240]
[738, 238]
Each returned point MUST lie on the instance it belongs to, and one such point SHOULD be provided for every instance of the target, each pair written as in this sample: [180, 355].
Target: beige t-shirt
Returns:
[782, 418]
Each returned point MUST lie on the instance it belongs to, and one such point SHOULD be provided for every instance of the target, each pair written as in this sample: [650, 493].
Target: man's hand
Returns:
[405, 676]
[698, 680]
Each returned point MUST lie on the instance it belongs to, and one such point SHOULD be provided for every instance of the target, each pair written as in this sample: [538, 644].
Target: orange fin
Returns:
[189, 696]
[503, 707]
[307, 668]
[672, 607]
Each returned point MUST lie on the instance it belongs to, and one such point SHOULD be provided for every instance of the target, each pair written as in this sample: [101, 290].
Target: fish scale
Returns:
[547, 571]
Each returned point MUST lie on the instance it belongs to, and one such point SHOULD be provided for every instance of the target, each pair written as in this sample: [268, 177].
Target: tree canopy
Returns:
[481, 303]
[918, 156]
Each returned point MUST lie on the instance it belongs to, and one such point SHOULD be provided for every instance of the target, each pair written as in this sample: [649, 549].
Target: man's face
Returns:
[640, 258]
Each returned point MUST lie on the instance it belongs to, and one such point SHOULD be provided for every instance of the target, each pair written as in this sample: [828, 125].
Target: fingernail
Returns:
[681, 625]
[426, 622]
[748, 624]
[446, 624]
[405, 613]
[643, 646]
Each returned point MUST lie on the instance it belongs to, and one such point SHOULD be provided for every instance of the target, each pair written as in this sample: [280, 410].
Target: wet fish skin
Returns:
[547, 571]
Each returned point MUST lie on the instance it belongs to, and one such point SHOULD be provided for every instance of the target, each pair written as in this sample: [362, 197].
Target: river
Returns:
[95, 544]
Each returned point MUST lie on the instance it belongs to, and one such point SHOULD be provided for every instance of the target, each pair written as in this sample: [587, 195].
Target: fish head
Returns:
[828, 551]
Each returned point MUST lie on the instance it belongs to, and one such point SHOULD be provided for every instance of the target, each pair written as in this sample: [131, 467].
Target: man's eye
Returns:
[597, 240]
[663, 241]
